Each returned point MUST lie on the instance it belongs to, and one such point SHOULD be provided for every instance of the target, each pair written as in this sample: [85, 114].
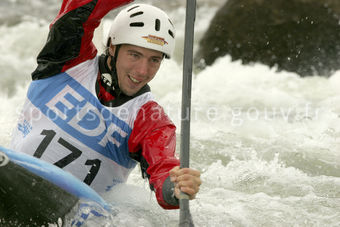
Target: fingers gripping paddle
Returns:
[185, 216]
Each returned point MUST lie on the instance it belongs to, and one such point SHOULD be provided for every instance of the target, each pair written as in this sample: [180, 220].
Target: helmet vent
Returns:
[157, 25]
[171, 34]
[136, 14]
[133, 8]
[171, 22]
[137, 24]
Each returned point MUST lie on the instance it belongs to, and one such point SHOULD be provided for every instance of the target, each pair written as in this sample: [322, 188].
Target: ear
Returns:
[112, 50]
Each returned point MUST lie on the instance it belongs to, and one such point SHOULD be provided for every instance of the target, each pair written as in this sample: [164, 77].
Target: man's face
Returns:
[136, 66]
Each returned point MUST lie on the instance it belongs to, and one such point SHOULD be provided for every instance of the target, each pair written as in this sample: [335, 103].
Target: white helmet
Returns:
[145, 26]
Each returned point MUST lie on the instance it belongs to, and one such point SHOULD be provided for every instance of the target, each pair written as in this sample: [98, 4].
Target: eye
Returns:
[155, 60]
[134, 55]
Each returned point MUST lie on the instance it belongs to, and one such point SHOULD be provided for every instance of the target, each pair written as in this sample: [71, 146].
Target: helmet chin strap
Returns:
[113, 71]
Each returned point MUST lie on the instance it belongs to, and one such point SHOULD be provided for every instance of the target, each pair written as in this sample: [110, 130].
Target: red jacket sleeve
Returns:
[154, 135]
[70, 38]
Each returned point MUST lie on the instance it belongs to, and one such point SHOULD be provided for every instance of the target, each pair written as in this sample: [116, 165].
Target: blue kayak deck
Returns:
[35, 193]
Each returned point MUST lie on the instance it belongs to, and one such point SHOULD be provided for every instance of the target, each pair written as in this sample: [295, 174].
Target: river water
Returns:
[267, 142]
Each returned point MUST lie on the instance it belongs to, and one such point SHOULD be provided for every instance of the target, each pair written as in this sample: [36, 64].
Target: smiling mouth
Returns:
[134, 80]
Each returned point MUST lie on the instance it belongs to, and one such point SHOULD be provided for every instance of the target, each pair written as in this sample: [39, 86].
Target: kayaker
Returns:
[94, 115]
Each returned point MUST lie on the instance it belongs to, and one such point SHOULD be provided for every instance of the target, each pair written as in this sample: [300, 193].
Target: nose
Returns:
[142, 67]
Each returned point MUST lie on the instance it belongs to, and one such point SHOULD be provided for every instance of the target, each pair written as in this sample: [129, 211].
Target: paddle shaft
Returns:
[185, 216]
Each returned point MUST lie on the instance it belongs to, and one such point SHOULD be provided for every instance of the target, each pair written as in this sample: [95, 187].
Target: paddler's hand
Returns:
[186, 180]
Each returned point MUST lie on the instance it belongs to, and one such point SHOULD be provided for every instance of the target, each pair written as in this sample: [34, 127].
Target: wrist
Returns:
[168, 191]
